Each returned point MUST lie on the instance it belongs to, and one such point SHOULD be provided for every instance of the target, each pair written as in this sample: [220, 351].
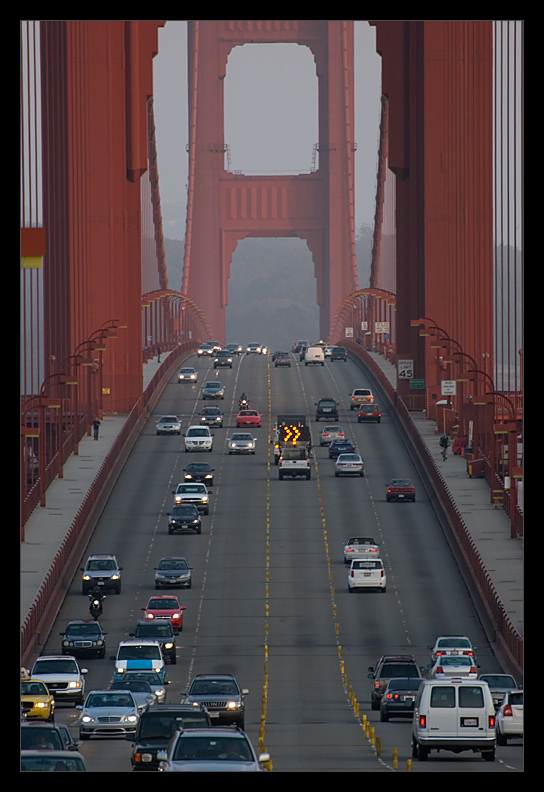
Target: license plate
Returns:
[327, 409]
[401, 495]
[100, 582]
[469, 722]
[213, 714]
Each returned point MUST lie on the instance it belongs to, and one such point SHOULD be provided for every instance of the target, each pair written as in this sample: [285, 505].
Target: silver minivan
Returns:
[456, 715]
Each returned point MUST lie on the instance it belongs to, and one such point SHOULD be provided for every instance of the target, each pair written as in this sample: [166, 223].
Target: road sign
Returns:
[349, 332]
[405, 369]
[417, 384]
[448, 387]
[381, 327]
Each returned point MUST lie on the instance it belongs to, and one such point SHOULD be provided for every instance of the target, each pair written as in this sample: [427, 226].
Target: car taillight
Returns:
[473, 670]
[491, 721]
[439, 670]
[423, 721]
[352, 573]
[381, 573]
[508, 711]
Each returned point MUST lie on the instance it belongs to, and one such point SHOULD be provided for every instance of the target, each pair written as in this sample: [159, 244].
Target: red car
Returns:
[400, 489]
[248, 418]
[369, 412]
[163, 607]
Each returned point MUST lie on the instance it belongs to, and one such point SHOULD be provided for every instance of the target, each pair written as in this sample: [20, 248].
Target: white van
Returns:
[314, 354]
[456, 715]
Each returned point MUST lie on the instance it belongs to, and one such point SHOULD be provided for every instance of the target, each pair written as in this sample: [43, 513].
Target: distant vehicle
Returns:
[330, 433]
[347, 464]
[360, 396]
[314, 355]
[326, 408]
[340, 446]
[184, 517]
[282, 359]
[198, 438]
[294, 461]
[168, 424]
[141, 692]
[369, 412]
[339, 353]
[254, 348]
[221, 695]
[241, 443]
[367, 573]
[194, 493]
[291, 431]
[499, 684]
[101, 570]
[108, 713]
[208, 750]
[200, 472]
[213, 390]
[248, 418]
[47, 761]
[206, 349]
[156, 727]
[400, 489]
[390, 667]
[360, 547]
[36, 700]
[223, 359]
[454, 666]
[173, 571]
[398, 698]
[64, 678]
[142, 655]
[83, 639]
[234, 349]
[187, 374]
[163, 606]
[452, 645]
[159, 630]
[211, 416]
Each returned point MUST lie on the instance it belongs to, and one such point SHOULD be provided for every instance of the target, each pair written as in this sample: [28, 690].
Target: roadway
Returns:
[269, 600]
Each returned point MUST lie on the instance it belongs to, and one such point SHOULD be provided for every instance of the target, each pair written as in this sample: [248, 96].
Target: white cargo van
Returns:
[314, 354]
[456, 715]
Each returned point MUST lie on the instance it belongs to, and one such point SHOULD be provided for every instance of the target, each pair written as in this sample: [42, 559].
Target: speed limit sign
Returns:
[405, 369]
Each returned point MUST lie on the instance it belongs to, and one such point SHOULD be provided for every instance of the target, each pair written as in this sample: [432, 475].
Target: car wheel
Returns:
[501, 739]
[199, 530]
[384, 717]
[489, 756]
[422, 753]
[336, 473]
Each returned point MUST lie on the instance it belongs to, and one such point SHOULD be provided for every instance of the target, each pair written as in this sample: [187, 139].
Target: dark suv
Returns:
[157, 725]
[389, 667]
[220, 695]
[326, 408]
[158, 630]
[339, 353]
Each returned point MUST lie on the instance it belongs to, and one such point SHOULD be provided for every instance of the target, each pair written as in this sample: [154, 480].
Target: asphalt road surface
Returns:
[269, 601]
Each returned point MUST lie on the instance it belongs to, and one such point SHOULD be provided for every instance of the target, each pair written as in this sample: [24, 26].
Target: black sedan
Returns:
[83, 639]
[338, 447]
[200, 472]
[399, 697]
[184, 517]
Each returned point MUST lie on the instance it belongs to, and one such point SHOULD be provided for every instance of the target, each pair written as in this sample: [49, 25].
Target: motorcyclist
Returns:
[97, 594]
[244, 401]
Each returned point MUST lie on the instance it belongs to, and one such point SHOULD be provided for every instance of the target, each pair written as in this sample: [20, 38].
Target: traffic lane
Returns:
[309, 724]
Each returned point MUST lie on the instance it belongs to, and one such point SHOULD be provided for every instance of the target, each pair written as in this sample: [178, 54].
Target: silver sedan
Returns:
[108, 713]
[242, 443]
[349, 464]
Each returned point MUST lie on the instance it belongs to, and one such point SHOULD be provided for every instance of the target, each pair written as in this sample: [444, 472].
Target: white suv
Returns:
[198, 438]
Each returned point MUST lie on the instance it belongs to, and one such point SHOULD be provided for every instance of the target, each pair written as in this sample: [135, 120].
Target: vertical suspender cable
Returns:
[349, 155]
[192, 150]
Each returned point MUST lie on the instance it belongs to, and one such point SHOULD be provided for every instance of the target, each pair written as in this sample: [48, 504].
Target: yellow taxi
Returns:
[36, 700]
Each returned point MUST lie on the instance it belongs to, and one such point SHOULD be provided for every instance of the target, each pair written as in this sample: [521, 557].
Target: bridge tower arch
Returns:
[224, 207]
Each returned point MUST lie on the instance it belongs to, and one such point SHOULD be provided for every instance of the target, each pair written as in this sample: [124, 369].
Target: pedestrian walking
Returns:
[444, 443]
[96, 425]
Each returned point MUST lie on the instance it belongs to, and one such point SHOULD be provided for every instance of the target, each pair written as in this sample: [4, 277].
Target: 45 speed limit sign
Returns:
[405, 369]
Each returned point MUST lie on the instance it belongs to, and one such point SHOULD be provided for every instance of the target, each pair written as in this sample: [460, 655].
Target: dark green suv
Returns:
[390, 667]
[326, 408]
[158, 630]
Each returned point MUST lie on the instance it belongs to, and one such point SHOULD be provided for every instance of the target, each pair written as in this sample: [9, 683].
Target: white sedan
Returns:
[168, 424]
[360, 547]
[454, 666]
[349, 464]
[242, 443]
[510, 717]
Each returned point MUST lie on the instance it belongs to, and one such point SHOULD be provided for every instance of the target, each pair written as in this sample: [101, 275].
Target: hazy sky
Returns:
[270, 112]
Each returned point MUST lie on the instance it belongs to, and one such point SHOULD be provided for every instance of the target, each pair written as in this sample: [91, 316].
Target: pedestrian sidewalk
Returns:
[488, 525]
[48, 525]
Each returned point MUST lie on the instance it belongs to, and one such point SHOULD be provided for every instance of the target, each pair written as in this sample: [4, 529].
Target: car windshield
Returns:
[168, 603]
[242, 437]
[404, 684]
[109, 700]
[159, 725]
[95, 565]
[401, 483]
[363, 540]
[213, 385]
[399, 670]
[54, 667]
[138, 652]
[327, 403]
[224, 748]
[150, 676]
[185, 511]
[134, 685]
[173, 563]
[203, 687]
[349, 458]
[211, 411]
[168, 419]
[84, 629]
[198, 432]
[191, 488]
[32, 688]
[156, 629]
[195, 467]
[454, 643]
[51, 762]
[36, 737]
[499, 680]
[186, 371]
[367, 564]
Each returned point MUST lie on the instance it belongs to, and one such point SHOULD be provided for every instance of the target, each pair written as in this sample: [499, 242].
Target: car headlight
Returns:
[233, 705]
[168, 646]
[120, 671]
[158, 669]
[115, 577]
[74, 685]
[40, 704]
[130, 719]
[87, 719]
[176, 615]
[86, 577]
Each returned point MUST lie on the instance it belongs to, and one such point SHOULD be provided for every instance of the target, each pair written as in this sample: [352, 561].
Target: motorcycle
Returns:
[95, 608]
[243, 404]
